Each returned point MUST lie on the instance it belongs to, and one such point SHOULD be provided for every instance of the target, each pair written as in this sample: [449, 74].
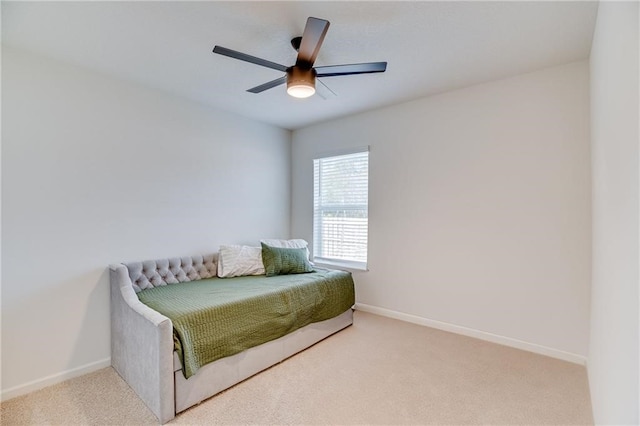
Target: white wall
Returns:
[479, 208]
[614, 345]
[97, 171]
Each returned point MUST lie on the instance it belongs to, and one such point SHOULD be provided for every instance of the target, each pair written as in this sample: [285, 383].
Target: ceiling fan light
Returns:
[301, 83]
[301, 90]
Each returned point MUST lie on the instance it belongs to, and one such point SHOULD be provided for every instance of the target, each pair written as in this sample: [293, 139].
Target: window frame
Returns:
[348, 264]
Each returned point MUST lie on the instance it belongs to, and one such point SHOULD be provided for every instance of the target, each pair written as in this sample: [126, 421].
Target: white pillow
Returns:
[238, 261]
[295, 243]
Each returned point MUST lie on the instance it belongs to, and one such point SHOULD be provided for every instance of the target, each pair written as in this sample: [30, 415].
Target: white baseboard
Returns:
[53, 379]
[482, 335]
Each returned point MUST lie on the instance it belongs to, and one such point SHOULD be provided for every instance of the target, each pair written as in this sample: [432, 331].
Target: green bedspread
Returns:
[219, 317]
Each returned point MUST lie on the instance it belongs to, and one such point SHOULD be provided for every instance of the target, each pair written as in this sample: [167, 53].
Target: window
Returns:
[340, 209]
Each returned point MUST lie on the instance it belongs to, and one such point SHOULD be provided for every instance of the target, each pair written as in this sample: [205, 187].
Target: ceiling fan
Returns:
[301, 77]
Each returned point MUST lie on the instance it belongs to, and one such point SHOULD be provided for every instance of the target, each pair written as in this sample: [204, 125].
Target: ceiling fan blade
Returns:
[248, 58]
[324, 91]
[312, 38]
[366, 68]
[268, 85]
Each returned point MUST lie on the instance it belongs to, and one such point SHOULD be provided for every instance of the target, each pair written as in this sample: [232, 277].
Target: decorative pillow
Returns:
[283, 261]
[295, 243]
[238, 261]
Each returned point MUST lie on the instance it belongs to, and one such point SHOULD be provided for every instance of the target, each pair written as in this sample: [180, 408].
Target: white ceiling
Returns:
[430, 47]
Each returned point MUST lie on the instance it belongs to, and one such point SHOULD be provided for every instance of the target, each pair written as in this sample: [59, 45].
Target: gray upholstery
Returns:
[141, 346]
[155, 273]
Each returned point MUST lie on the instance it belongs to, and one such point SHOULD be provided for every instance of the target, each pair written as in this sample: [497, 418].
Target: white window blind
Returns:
[340, 209]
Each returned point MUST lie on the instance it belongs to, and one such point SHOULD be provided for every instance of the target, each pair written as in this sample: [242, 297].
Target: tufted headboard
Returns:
[155, 273]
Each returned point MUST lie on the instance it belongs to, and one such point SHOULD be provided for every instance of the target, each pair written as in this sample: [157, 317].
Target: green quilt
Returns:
[218, 317]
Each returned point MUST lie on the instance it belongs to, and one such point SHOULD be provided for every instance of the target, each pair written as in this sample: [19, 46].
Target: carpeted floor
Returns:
[378, 371]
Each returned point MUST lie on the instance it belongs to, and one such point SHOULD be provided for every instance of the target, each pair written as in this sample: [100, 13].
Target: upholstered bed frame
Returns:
[142, 348]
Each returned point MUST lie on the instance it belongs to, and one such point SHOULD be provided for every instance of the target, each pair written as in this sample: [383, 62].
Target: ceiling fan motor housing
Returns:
[301, 78]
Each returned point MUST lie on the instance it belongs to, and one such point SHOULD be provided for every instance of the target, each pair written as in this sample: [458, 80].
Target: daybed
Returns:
[143, 350]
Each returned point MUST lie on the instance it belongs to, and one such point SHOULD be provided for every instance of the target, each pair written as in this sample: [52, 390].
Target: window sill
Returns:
[346, 266]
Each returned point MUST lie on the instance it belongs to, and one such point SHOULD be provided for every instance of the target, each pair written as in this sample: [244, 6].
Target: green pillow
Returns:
[283, 261]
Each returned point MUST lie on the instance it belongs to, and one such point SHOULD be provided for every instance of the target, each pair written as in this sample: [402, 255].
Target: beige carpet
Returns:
[378, 371]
